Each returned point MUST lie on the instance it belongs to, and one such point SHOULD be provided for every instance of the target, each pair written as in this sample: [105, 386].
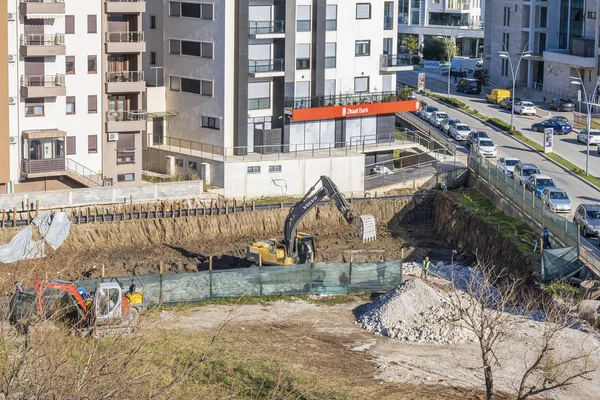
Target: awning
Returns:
[44, 16]
[162, 114]
[44, 134]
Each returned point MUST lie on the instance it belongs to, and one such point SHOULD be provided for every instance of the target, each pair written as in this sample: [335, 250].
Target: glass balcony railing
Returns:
[263, 66]
[266, 27]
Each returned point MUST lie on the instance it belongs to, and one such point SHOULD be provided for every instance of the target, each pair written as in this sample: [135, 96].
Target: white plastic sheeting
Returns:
[53, 231]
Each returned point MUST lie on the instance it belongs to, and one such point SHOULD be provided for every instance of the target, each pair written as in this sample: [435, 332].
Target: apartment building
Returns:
[461, 20]
[261, 97]
[71, 94]
[562, 36]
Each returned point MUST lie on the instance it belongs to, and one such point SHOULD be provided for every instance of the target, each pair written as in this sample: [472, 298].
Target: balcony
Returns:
[581, 53]
[125, 42]
[126, 121]
[125, 82]
[267, 29]
[266, 68]
[125, 6]
[42, 168]
[34, 45]
[340, 100]
[36, 86]
[42, 9]
[126, 156]
[396, 62]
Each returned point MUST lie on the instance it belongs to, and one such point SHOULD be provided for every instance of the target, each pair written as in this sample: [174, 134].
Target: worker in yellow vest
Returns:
[425, 267]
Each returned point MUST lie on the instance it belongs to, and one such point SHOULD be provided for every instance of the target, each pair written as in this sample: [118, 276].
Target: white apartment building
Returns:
[461, 20]
[254, 90]
[60, 80]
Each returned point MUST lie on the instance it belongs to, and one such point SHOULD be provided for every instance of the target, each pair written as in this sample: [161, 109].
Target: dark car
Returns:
[559, 127]
[468, 85]
[473, 137]
[561, 104]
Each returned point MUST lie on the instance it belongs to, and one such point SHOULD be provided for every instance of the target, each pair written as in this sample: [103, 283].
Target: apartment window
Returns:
[191, 10]
[92, 25]
[362, 48]
[71, 145]
[34, 107]
[259, 95]
[152, 58]
[516, 8]
[303, 19]
[330, 55]
[363, 11]
[153, 22]
[179, 162]
[211, 123]
[92, 144]
[92, 104]
[70, 105]
[361, 84]
[70, 65]
[91, 64]
[254, 170]
[331, 18]
[330, 89]
[191, 85]
[591, 14]
[543, 17]
[274, 168]
[388, 16]
[69, 24]
[506, 41]
[193, 165]
[174, 46]
[174, 83]
[175, 9]
[506, 20]
[125, 177]
[505, 67]
[303, 56]
[191, 48]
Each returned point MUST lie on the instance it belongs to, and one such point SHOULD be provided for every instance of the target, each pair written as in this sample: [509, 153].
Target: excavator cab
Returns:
[301, 240]
[108, 304]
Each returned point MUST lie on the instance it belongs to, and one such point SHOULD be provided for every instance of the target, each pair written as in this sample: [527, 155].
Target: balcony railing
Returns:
[341, 100]
[261, 66]
[125, 76]
[266, 27]
[43, 166]
[42, 80]
[34, 39]
[126, 156]
[124, 37]
[395, 60]
[125, 116]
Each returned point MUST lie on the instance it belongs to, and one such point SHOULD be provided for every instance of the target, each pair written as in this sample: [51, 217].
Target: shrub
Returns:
[405, 92]
[499, 124]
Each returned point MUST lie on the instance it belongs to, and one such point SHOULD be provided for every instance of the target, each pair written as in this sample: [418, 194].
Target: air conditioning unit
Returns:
[12, 139]
[113, 137]
[12, 100]
[12, 16]
[12, 58]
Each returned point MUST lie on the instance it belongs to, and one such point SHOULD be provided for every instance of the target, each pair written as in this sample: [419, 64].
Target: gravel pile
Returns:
[414, 312]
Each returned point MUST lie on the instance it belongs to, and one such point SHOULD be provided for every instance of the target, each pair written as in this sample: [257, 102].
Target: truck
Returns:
[464, 66]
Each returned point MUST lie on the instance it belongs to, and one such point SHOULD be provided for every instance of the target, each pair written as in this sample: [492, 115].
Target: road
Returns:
[565, 146]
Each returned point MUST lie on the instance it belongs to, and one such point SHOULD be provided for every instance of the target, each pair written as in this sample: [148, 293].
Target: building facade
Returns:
[251, 80]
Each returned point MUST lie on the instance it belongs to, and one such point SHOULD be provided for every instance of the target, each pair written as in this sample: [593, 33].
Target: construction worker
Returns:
[546, 238]
[425, 267]
[381, 270]
[307, 253]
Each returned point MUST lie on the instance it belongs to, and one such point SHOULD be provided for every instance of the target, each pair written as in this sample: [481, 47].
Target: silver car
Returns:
[507, 165]
[557, 199]
[460, 131]
[587, 217]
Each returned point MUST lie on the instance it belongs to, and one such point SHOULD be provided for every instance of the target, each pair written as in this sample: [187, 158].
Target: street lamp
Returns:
[579, 81]
[504, 54]
[450, 44]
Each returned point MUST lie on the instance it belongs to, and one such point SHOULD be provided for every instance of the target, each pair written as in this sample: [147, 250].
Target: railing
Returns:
[340, 99]
[42, 1]
[87, 174]
[429, 131]
[123, 116]
[125, 76]
[258, 66]
[395, 60]
[388, 23]
[43, 166]
[124, 1]
[124, 37]
[42, 80]
[266, 27]
[126, 156]
[34, 39]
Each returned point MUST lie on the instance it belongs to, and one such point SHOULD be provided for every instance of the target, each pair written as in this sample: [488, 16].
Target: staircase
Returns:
[84, 175]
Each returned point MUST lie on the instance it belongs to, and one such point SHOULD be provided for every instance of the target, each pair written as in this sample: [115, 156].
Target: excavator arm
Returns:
[41, 285]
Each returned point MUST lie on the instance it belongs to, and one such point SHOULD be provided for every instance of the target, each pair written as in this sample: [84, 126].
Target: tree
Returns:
[405, 92]
[439, 49]
[411, 42]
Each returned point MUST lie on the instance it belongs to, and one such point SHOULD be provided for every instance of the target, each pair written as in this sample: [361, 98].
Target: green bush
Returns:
[499, 124]
[405, 92]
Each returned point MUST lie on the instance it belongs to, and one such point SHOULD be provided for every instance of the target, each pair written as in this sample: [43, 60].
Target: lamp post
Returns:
[588, 123]
[504, 54]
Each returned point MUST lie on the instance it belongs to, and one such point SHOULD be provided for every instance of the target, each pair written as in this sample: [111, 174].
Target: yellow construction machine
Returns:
[292, 250]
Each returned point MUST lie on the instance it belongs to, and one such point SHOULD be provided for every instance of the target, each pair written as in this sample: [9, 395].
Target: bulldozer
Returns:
[292, 249]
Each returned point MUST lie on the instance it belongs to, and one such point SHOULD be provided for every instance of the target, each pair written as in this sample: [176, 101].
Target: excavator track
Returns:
[367, 227]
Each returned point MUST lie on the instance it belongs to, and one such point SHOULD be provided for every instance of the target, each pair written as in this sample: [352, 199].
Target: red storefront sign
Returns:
[359, 110]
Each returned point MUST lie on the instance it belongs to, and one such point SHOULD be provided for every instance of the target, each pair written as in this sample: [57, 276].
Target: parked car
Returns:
[538, 182]
[561, 118]
[437, 118]
[460, 131]
[506, 102]
[525, 107]
[561, 104]
[594, 136]
[487, 148]
[557, 199]
[507, 165]
[427, 114]
[587, 217]
[474, 135]
[422, 109]
[559, 127]
[522, 172]
[447, 124]
[381, 170]
[468, 85]
[496, 95]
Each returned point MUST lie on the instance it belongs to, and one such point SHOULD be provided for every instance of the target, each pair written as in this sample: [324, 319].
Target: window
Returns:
[591, 14]
[70, 65]
[70, 105]
[34, 107]
[191, 10]
[543, 17]
[125, 177]
[174, 46]
[388, 16]
[506, 41]
[362, 48]
[330, 55]
[330, 90]
[303, 19]
[191, 48]
[179, 162]
[505, 67]
[92, 144]
[153, 22]
[92, 104]
[274, 168]
[91, 64]
[193, 165]
[191, 85]
[363, 11]
[259, 95]
[211, 123]
[506, 20]
[174, 9]
[152, 58]
[92, 26]
[71, 145]
[175, 83]
[254, 170]
[331, 17]
[303, 56]
[361, 84]
[69, 24]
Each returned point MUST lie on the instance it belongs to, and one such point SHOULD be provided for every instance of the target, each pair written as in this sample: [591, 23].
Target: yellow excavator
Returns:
[292, 250]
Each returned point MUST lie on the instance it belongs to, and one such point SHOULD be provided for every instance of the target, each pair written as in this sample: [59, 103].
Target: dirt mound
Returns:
[414, 312]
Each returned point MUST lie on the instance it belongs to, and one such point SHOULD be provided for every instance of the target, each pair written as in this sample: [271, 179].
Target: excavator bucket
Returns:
[366, 226]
